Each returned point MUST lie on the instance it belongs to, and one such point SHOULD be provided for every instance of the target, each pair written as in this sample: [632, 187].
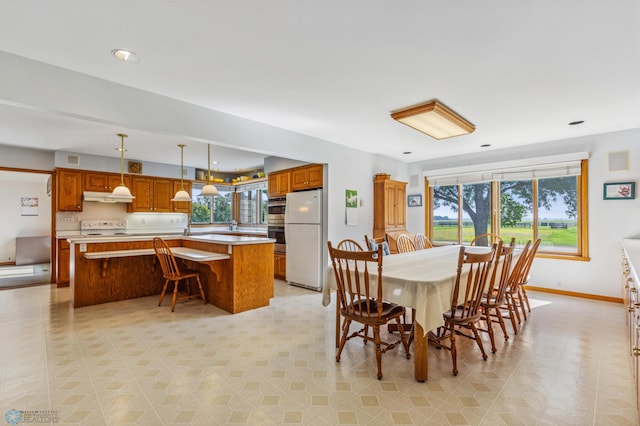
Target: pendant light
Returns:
[182, 195]
[121, 192]
[209, 189]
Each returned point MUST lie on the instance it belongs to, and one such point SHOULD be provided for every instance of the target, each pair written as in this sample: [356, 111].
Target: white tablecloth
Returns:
[422, 280]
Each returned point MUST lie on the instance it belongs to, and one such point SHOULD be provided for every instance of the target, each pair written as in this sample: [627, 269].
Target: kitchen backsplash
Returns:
[142, 222]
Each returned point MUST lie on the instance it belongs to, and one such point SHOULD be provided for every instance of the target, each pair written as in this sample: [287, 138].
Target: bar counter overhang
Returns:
[239, 283]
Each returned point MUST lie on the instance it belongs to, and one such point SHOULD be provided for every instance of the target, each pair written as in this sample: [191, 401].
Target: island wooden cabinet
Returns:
[280, 265]
[103, 182]
[306, 177]
[151, 195]
[69, 191]
[278, 184]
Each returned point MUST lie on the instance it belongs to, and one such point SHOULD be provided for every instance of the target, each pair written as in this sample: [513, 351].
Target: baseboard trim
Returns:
[575, 294]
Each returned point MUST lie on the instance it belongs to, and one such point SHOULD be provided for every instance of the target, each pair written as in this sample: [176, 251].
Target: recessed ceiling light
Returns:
[573, 123]
[485, 145]
[125, 55]
[407, 152]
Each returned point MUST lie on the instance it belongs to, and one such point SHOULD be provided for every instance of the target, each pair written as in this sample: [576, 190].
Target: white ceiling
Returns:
[520, 71]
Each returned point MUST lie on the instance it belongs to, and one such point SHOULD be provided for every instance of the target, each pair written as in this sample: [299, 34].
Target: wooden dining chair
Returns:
[360, 296]
[372, 243]
[466, 298]
[487, 239]
[511, 308]
[172, 273]
[524, 279]
[421, 241]
[348, 245]
[405, 244]
[495, 296]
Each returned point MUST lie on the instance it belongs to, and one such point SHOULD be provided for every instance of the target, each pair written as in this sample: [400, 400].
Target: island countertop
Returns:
[236, 271]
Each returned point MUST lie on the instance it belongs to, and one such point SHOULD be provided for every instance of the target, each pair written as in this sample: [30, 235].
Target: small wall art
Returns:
[29, 206]
[414, 200]
[619, 191]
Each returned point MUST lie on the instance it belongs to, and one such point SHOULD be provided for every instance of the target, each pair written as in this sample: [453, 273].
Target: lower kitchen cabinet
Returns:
[280, 265]
[630, 285]
[63, 262]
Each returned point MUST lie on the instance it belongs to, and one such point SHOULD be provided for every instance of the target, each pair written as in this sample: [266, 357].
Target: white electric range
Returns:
[103, 227]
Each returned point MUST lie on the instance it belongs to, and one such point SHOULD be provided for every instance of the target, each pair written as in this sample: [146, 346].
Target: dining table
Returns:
[422, 280]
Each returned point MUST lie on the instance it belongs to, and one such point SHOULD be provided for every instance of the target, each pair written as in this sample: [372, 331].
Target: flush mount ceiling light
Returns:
[209, 189]
[121, 191]
[434, 119]
[182, 195]
[125, 56]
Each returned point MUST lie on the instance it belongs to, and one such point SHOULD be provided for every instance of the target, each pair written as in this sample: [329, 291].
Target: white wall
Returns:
[609, 220]
[14, 186]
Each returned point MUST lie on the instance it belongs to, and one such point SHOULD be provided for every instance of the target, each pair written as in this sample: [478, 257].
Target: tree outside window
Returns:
[525, 209]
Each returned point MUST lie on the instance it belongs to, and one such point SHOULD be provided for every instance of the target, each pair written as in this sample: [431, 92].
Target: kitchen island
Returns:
[236, 277]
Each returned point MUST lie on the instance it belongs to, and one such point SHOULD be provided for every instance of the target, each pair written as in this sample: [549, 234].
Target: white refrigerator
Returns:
[303, 237]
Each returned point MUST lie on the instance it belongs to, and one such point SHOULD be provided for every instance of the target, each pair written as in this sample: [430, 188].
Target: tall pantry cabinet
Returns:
[389, 205]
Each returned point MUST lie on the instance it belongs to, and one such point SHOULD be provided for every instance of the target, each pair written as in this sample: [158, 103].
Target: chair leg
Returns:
[502, 324]
[514, 307]
[476, 334]
[487, 318]
[175, 295]
[521, 302]
[347, 323]
[164, 291]
[204, 299]
[404, 337]
[525, 297]
[512, 315]
[454, 352]
[378, 343]
[338, 320]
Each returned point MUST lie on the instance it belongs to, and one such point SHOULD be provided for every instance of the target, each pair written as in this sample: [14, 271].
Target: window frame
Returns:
[582, 249]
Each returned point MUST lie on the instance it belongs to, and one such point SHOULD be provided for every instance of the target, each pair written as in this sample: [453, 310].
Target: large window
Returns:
[246, 204]
[252, 202]
[218, 209]
[550, 208]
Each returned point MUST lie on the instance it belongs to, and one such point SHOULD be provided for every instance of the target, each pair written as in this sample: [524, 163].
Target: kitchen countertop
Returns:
[152, 233]
[210, 238]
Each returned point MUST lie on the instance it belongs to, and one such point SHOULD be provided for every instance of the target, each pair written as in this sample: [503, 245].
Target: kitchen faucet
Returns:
[233, 226]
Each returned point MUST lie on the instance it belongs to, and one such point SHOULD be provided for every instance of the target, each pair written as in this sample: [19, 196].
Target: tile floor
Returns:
[133, 362]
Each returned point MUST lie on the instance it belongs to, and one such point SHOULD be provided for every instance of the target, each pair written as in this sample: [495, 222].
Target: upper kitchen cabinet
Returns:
[181, 206]
[279, 183]
[103, 182]
[306, 177]
[69, 190]
[151, 195]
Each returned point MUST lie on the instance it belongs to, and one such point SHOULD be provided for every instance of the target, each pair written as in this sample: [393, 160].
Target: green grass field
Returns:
[560, 237]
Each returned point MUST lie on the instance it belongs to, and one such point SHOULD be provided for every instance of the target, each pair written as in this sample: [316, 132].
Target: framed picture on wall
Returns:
[619, 191]
[414, 200]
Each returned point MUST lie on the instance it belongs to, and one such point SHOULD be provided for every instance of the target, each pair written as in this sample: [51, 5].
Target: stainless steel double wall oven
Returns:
[275, 222]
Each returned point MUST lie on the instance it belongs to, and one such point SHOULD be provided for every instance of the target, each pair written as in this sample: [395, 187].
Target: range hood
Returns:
[102, 197]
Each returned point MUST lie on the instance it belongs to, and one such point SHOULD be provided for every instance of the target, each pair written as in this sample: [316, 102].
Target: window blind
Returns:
[534, 168]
